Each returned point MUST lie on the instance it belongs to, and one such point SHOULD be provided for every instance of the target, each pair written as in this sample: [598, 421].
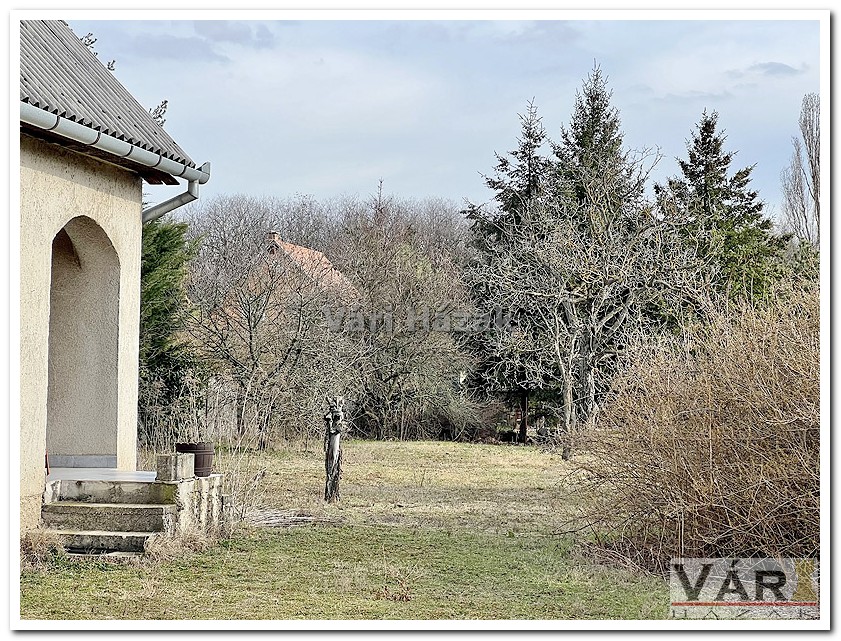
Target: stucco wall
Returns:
[56, 186]
[83, 352]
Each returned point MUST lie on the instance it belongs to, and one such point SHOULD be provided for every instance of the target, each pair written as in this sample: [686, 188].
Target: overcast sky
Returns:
[330, 107]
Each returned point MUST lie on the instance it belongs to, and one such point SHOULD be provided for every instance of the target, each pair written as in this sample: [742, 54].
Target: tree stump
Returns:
[333, 427]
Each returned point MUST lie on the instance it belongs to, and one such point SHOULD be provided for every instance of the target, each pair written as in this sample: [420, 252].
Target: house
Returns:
[86, 147]
[314, 267]
[264, 311]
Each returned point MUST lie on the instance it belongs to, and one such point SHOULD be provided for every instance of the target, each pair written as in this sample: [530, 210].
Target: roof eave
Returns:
[153, 167]
[151, 176]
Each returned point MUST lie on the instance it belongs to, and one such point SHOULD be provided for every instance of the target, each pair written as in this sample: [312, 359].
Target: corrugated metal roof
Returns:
[59, 74]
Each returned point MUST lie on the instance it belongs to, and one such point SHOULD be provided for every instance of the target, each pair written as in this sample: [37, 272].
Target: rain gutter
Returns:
[37, 117]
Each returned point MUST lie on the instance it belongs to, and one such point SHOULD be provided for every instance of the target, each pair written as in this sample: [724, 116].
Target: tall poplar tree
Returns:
[801, 179]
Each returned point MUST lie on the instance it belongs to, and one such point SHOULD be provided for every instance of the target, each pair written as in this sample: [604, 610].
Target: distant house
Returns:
[314, 266]
[265, 305]
[86, 146]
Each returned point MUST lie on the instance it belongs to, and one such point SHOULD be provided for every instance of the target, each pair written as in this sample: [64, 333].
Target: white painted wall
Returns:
[58, 185]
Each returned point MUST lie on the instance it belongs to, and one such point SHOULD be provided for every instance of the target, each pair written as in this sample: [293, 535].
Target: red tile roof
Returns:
[316, 266]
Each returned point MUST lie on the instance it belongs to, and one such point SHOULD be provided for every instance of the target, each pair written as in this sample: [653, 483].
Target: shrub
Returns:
[710, 445]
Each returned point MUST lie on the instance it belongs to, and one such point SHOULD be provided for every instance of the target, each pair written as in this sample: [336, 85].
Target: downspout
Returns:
[192, 193]
[42, 119]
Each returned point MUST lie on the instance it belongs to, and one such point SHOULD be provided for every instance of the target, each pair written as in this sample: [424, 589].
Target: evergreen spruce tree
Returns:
[600, 189]
[725, 222]
[592, 144]
[576, 255]
[520, 181]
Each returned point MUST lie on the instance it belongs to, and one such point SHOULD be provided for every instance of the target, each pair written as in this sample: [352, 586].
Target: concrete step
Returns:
[114, 491]
[95, 541]
[116, 517]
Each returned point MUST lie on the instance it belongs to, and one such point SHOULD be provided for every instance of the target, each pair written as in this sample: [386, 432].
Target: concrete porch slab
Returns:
[99, 474]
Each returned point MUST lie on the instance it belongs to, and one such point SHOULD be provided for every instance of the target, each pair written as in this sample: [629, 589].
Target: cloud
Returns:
[176, 48]
[336, 105]
[640, 88]
[263, 37]
[774, 69]
[236, 32]
[527, 31]
[695, 96]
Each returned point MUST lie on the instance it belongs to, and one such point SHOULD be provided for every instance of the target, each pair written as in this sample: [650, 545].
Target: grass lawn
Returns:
[424, 530]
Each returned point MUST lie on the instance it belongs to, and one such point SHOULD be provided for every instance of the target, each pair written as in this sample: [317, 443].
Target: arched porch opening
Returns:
[82, 393]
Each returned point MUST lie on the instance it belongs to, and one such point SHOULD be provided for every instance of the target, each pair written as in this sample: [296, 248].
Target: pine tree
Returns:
[577, 262]
[519, 182]
[600, 189]
[595, 170]
[724, 217]
[164, 354]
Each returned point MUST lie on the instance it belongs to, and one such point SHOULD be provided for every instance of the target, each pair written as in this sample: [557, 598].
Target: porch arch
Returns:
[82, 391]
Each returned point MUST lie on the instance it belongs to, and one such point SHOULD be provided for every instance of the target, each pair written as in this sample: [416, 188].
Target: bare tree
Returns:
[579, 298]
[259, 317]
[280, 336]
[398, 255]
[576, 253]
[801, 179]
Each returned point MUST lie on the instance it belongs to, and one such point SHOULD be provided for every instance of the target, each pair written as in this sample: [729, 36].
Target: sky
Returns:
[329, 107]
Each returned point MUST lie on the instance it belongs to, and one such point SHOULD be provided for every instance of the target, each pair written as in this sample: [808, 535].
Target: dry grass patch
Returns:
[424, 530]
[170, 547]
[425, 484]
[40, 550]
[353, 572]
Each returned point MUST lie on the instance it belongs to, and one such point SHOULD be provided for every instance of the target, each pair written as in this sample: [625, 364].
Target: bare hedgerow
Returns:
[710, 446]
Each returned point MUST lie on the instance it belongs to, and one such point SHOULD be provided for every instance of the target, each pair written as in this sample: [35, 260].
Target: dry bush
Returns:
[206, 412]
[244, 470]
[171, 546]
[40, 550]
[710, 447]
[165, 419]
